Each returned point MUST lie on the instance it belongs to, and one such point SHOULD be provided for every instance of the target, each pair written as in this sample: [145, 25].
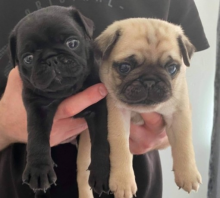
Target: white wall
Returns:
[200, 77]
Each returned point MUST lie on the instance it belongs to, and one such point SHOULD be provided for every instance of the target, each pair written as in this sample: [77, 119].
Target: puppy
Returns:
[53, 49]
[143, 67]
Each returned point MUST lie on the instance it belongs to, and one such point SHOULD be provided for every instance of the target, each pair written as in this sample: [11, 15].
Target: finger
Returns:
[142, 135]
[147, 136]
[136, 149]
[14, 80]
[61, 137]
[141, 147]
[66, 128]
[67, 124]
[14, 77]
[75, 104]
[153, 122]
[143, 140]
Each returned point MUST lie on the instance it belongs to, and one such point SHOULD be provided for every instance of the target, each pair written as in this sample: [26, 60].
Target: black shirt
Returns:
[102, 12]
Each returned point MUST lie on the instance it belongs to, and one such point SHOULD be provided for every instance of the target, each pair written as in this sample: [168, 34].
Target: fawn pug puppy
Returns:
[143, 67]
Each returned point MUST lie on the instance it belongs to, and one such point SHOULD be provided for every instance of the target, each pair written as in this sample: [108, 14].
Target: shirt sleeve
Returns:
[185, 14]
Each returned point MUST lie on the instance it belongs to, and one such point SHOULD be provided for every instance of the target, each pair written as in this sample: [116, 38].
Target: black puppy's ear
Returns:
[12, 48]
[186, 48]
[105, 42]
[86, 23]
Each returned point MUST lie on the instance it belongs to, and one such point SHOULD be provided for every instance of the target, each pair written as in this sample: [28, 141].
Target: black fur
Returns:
[55, 73]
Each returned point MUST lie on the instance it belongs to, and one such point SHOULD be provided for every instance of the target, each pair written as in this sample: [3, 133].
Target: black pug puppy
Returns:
[53, 49]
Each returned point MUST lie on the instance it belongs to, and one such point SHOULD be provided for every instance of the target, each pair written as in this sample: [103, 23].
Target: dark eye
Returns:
[72, 43]
[171, 68]
[124, 68]
[28, 59]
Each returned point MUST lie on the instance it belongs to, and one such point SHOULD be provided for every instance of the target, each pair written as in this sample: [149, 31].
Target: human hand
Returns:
[13, 118]
[149, 136]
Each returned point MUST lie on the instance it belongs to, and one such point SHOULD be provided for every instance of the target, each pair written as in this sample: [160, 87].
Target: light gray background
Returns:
[200, 77]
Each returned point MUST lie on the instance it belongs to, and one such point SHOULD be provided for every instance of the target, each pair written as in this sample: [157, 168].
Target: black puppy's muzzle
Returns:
[146, 91]
[55, 72]
[63, 65]
[54, 61]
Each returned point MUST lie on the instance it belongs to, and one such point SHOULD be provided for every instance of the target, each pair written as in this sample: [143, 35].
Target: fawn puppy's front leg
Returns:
[122, 180]
[83, 161]
[179, 133]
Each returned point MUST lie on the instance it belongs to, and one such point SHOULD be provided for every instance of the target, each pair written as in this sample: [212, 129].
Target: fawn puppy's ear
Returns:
[186, 48]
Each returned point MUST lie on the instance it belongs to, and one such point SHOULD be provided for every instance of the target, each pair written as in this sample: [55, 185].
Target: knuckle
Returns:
[68, 111]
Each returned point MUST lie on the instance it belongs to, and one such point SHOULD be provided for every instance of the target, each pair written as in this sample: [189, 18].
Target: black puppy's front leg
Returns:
[100, 164]
[39, 173]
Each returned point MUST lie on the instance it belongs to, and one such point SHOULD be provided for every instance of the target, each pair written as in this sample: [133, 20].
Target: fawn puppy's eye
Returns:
[124, 68]
[172, 69]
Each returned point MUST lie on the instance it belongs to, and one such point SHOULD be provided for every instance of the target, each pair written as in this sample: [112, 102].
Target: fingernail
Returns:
[103, 91]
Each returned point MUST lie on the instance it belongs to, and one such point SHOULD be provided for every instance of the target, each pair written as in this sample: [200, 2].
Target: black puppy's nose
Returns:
[52, 61]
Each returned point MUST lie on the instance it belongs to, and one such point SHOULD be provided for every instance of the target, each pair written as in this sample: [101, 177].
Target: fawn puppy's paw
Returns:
[123, 184]
[188, 178]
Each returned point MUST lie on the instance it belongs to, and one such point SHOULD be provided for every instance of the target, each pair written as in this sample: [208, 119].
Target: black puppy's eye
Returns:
[72, 43]
[124, 68]
[28, 59]
[171, 69]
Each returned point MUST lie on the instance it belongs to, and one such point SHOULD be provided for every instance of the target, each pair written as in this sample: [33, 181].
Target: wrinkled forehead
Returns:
[43, 30]
[151, 43]
[47, 25]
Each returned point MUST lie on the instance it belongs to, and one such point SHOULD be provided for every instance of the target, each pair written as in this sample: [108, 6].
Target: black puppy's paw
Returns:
[99, 179]
[39, 176]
